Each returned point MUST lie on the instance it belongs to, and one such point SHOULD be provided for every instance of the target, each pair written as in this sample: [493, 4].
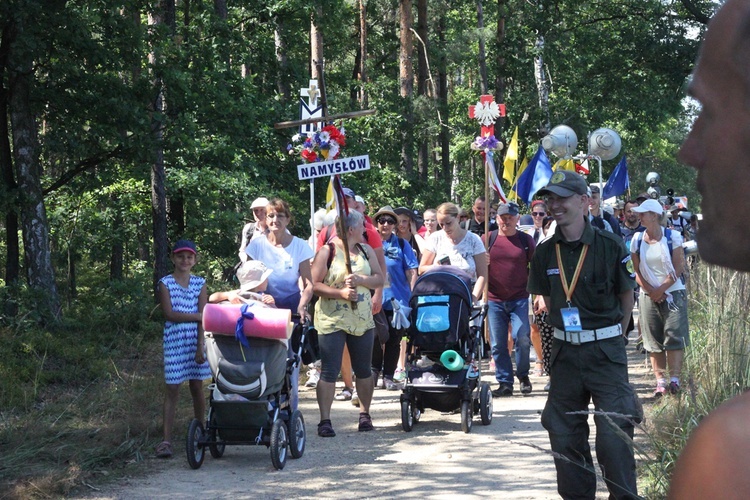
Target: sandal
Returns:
[365, 422]
[325, 429]
[164, 449]
[344, 395]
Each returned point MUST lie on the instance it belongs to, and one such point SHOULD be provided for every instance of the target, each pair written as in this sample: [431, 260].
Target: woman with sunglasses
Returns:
[401, 267]
[455, 246]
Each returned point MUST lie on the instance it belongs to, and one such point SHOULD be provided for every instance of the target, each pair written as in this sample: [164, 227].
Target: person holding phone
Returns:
[455, 246]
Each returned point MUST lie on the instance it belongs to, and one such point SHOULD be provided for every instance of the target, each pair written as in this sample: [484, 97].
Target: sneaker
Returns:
[164, 450]
[355, 399]
[660, 391]
[344, 395]
[313, 376]
[400, 375]
[674, 388]
[546, 387]
[390, 385]
[525, 385]
[503, 391]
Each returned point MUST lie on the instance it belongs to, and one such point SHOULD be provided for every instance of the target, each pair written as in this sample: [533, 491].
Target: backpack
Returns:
[332, 253]
[524, 240]
[668, 236]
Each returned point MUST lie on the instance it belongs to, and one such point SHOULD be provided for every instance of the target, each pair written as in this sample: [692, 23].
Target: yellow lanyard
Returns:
[570, 289]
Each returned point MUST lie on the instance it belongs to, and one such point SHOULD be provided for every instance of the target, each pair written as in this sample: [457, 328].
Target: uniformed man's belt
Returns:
[588, 335]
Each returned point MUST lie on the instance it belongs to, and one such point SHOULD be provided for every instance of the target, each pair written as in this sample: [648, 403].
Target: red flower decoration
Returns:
[309, 156]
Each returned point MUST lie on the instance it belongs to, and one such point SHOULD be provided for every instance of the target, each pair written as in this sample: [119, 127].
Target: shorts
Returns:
[664, 328]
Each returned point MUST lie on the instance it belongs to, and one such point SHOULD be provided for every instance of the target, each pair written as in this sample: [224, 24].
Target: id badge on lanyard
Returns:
[570, 315]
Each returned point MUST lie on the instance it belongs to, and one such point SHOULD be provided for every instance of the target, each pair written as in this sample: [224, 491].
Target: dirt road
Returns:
[437, 459]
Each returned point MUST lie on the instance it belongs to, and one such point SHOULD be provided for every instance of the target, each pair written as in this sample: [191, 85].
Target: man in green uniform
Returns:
[586, 279]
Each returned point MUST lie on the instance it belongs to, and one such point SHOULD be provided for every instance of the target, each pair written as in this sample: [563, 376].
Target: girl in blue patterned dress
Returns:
[183, 297]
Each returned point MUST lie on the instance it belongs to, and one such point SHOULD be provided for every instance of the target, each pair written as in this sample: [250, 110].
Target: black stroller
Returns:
[249, 400]
[444, 342]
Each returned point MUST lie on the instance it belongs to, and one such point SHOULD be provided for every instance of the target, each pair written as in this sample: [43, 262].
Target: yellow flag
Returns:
[330, 196]
[521, 168]
[511, 156]
[564, 164]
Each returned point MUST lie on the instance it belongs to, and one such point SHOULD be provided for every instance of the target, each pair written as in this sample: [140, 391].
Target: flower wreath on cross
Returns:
[325, 144]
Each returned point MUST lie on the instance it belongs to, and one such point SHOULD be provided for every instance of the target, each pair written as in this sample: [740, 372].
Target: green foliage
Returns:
[717, 367]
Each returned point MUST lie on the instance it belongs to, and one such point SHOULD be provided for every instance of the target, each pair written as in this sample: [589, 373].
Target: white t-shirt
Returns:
[283, 281]
[461, 255]
[653, 256]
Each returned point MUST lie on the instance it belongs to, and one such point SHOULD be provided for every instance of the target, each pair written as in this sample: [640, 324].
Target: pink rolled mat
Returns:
[269, 323]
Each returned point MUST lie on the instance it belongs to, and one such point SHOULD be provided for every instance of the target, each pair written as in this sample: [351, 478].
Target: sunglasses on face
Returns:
[538, 214]
[386, 220]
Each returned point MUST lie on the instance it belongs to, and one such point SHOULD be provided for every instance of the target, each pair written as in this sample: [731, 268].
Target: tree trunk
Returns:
[8, 184]
[316, 43]
[423, 75]
[165, 14]
[35, 227]
[482, 52]
[363, 100]
[500, 40]
[445, 139]
[406, 76]
[281, 58]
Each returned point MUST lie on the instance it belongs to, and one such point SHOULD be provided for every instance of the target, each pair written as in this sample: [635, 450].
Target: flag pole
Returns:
[341, 229]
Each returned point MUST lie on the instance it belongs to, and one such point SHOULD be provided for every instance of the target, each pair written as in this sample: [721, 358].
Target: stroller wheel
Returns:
[279, 444]
[407, 415]
[297, 434]
[217, 450]
[485, 404]
[466, 416]
[196, 451]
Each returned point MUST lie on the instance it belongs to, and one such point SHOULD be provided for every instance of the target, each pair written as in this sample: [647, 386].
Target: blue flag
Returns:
[619, 182]
[535, 177]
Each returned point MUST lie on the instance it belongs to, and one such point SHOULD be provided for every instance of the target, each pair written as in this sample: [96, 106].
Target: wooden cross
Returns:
[487, 111]
[320, 92]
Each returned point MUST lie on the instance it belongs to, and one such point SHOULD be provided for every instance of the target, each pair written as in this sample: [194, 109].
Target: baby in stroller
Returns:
[250, 399]
[443, 370]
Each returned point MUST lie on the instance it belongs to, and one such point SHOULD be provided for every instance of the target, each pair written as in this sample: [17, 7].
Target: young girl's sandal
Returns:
[164, 449]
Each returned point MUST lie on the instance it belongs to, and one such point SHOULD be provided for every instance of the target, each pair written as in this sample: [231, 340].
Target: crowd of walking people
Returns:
[522, 268]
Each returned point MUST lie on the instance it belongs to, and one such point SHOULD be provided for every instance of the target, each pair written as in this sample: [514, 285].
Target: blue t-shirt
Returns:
[398, 262]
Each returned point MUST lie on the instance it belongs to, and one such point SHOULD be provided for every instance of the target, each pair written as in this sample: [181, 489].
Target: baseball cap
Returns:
[259, 203]
[185, 246]
[349, 193]
[507, 209]
[359, 199]
[595, 188]
[565, 183]
[649, 206]
[251, 274]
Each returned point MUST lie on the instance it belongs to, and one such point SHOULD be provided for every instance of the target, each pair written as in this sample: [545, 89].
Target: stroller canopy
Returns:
[444, 280]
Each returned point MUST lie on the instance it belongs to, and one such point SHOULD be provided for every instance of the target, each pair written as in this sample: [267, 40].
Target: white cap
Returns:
[251, 274]
[259, 203]
[359, 199]
[649, 206]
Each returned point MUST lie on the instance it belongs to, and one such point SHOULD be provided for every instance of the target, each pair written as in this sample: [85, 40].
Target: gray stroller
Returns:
[249, 399]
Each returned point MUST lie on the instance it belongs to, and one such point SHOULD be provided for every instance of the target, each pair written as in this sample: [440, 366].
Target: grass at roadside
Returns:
[717, 367]
[83, 400]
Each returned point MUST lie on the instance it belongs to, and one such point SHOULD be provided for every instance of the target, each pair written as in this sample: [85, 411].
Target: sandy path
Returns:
[437, 459]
